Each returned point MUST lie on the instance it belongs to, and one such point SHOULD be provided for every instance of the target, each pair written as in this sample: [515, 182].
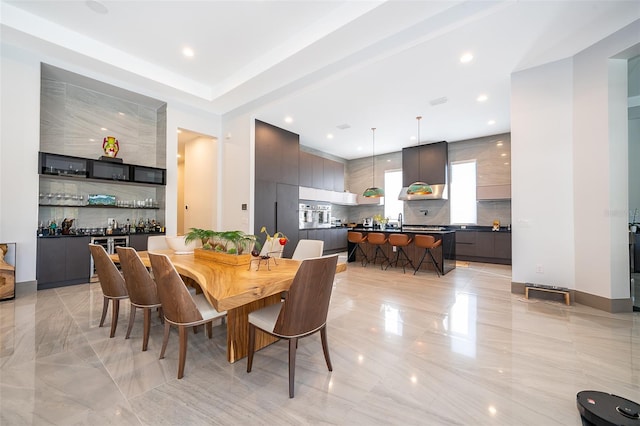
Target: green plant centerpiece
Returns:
[222, 246]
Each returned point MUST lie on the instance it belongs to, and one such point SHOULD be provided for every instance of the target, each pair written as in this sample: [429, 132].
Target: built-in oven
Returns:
[109, 242]
[307, 216]
[324, 216]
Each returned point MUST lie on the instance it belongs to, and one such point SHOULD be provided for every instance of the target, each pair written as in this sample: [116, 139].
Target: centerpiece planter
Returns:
[227, 247]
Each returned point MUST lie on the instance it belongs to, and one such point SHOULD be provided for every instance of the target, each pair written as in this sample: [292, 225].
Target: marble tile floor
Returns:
[455, 350]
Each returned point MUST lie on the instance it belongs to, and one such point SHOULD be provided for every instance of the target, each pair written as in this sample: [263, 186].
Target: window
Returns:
[463, 192]
[392, 187]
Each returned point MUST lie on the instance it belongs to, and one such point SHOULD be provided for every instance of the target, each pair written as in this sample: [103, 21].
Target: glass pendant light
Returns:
[419, 188]
[373, 191]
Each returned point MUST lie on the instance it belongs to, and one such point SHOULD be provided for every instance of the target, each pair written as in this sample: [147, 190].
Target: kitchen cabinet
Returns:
[484, 246]
[276, 184]
[62, 261]
[321, 173]
[425, 163]
[335, 239]
[138, 241]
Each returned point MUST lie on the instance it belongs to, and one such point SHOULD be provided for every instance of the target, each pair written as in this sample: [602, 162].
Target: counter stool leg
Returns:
[433, 260]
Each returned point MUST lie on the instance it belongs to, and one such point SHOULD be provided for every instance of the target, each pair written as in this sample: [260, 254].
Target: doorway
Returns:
[197, 181]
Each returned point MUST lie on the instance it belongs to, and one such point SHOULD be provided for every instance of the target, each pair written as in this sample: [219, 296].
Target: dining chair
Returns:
[157, 242]
[272, 247]
[302, 313]
[112, 283]
[307, 249]
[143, 293]
[180, 308]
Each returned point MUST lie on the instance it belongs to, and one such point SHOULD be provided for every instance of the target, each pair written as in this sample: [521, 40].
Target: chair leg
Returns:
[105, 307]
[209, 329]
[252, 343]
[385, 258]
[114, 316]
[147, 328]
[407, 262]
[420, 263]
[182, 332]
[132, 317]
[293, 345]
[165, 339]
[435, 264]
[325, 347]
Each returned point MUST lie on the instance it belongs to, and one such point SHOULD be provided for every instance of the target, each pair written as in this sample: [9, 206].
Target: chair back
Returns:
[376, 238]
[141, 287]
[307, 304]
[157, 242]
[356, 237]
[307, 249]
[272, 248]
[177, 304]
[111, 280]
[399, 240]
[426, 241]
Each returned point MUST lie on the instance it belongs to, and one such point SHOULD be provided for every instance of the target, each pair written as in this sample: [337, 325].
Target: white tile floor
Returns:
[456, 350]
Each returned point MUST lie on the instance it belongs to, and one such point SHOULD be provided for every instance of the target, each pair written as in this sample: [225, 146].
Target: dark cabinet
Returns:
[138, 242]
[484, 246]
[276, 186]
[425, 163]
[321, 173]
[277, 154]
[62, 261]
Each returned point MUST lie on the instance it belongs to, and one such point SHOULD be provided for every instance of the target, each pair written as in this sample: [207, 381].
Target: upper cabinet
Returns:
[276, 154]
[425, 163]
[321, 173]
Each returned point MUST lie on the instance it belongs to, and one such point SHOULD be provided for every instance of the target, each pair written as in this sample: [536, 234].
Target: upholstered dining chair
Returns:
[307, 249]
[301, 314]
[180, 308]
[157, 242]
[142, 290]
[112, 283]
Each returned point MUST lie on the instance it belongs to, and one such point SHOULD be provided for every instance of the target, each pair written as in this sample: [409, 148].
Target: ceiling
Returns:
[334, 67]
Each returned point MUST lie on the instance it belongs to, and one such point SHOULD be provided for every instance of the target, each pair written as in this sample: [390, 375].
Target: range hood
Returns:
[440, 192]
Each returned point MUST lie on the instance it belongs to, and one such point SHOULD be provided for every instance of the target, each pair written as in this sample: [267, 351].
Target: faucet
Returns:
[400, 221]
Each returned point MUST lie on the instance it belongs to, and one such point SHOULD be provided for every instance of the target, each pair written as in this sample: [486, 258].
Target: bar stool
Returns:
[378, 239]
[428, 243]
[357, 238]
[400, 241]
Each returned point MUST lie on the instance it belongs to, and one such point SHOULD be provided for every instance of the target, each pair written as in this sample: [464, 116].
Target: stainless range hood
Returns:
[440, 192]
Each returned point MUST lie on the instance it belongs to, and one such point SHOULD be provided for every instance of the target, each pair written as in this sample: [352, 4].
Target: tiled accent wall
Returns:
[70, 116]
[492, 170]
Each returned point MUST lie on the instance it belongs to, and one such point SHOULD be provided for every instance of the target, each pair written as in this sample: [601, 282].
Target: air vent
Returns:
[344, 126]
[438, 101]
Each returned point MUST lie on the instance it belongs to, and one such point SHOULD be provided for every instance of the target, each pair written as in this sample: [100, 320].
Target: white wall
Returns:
[569, 174]
[19, 143]
[541, 175]
[237, 180]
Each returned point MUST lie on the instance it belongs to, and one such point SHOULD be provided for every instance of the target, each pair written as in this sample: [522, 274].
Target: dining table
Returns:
[238, 289]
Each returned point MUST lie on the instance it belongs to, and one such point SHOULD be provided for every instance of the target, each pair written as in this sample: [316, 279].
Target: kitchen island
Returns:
[445, 255]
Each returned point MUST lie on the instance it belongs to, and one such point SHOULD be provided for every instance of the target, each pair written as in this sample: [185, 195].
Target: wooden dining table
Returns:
[237, 289]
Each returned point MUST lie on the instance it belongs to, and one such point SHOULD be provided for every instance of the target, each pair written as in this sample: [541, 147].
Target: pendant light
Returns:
[373, 191]
[419, 188]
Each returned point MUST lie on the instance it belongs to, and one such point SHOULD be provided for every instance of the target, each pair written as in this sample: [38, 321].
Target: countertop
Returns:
[447, 229]
[119, 234]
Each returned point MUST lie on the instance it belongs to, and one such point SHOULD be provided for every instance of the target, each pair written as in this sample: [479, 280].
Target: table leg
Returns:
[238, 329]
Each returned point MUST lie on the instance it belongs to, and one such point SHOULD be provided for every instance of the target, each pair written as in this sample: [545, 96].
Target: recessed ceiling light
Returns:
[188, 52]
[466, 57]
[491, 122]
[97, 7]
[329, 136]
[288, 119]
[482, 98]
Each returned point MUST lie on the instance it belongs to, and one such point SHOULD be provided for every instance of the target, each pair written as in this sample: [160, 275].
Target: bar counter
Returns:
[445, 255]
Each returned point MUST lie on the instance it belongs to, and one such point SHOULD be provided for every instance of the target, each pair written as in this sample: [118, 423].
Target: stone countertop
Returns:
[448, 229]
[120, 234]
[398, 231]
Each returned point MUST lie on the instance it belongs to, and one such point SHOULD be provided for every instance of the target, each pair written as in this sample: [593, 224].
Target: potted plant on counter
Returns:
[381, 221]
